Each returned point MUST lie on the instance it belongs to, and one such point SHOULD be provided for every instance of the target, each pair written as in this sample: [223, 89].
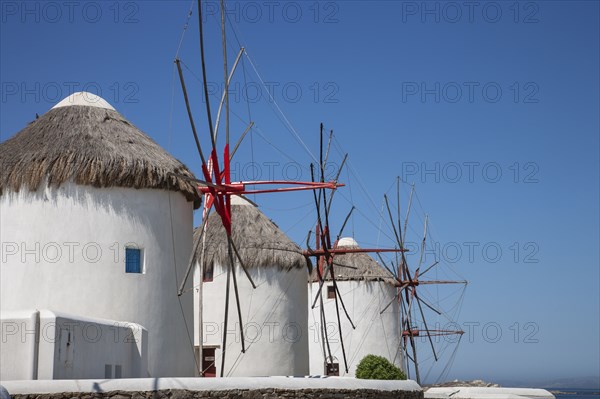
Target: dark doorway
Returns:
[209, 369]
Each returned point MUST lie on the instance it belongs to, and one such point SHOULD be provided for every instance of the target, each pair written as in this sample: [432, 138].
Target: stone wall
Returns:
[237, 394]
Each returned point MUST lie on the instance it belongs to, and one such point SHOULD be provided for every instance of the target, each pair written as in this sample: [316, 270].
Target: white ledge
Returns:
[486, 393]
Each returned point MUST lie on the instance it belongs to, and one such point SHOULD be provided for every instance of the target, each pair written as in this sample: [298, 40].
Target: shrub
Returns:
[373, 367]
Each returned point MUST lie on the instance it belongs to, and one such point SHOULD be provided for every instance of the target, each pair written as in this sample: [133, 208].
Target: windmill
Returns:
[325, 252]
[216, 185]
[407, 293]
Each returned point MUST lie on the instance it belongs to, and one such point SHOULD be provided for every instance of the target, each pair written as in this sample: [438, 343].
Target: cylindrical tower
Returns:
[274, 315]
[366, 288]
[93, 223]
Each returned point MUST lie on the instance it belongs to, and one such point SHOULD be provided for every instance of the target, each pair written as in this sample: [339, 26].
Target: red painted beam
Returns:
[240, 187]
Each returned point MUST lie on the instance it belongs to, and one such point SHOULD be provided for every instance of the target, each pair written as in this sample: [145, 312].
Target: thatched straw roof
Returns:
[259, 241]
[366, 267]
[90, 144]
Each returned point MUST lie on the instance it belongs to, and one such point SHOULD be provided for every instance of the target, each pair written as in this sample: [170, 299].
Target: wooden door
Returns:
[208, 362]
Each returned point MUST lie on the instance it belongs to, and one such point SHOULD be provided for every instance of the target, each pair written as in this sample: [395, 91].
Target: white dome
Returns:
[347, 242]
[86, 99]
[239, 200]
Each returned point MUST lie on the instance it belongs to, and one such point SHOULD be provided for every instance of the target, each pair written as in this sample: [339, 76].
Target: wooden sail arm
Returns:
[237, 188]
[414, 332]
[416, 282]
[342, 251]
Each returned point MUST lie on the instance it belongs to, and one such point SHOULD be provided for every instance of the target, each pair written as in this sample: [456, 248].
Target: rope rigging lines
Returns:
[218, 188]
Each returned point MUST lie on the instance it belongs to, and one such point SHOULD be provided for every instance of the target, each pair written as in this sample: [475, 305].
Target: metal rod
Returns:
[320, 253]
[411, 335]
[322, 332]
[430, 267]
[223, 95]
[337, 176]
[237, 296]
[326, 235]
[387, 205]
[226, 321]
[422, 246]
[239, 258]
[426, 328]
[318, 207]
[412, 344]
[403, 326]
[319, 230]
[189, 110]
[323, 320]
[328, 147]
[321, 151]
[400, 232]
[324, 327]
[321, 283]
[226, 79]
[344, 224]
[204, 81]
[308, 240]
[426, 304]
[395, 298]
[337, 311]
[386, 266]
[342, 303]
[240, 140]
[342, 251]
[205, 215]
[192, 257]
[430, 282]
[408, 209]
[398, 201]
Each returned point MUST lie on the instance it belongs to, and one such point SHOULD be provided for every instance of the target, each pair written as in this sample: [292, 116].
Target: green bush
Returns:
[373, 367]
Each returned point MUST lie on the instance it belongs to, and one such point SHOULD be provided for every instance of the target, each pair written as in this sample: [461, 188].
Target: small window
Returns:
[207, 275]
[330, 292]
[133, 260]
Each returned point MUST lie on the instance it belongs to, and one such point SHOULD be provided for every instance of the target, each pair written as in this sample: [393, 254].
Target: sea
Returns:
[566, 393]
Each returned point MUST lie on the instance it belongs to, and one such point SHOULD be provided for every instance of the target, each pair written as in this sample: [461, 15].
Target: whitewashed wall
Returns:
[45, 345]
[18, 346]
[274, 317]
[64, 249]
[374, 334]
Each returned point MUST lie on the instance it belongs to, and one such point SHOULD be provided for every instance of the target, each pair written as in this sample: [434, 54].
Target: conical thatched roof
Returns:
[84, 140]
[259, 241]
[366, 267]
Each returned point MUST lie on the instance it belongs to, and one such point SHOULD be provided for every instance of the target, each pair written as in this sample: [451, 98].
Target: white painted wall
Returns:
[18, 348]
[274, 316]
[45, 345]
[374, 334]
[64, 249]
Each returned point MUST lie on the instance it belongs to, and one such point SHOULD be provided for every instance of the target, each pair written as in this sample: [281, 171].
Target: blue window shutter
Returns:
[133, 260]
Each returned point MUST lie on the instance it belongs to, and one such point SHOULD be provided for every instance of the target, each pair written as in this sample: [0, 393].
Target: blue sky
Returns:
[490, 108]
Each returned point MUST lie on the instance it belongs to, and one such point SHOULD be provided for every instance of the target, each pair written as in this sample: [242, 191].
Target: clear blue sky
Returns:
[497, 100]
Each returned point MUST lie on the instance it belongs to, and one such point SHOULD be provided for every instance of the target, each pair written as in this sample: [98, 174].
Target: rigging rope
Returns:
[185, 26]
[287, 124]
[351, 171]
